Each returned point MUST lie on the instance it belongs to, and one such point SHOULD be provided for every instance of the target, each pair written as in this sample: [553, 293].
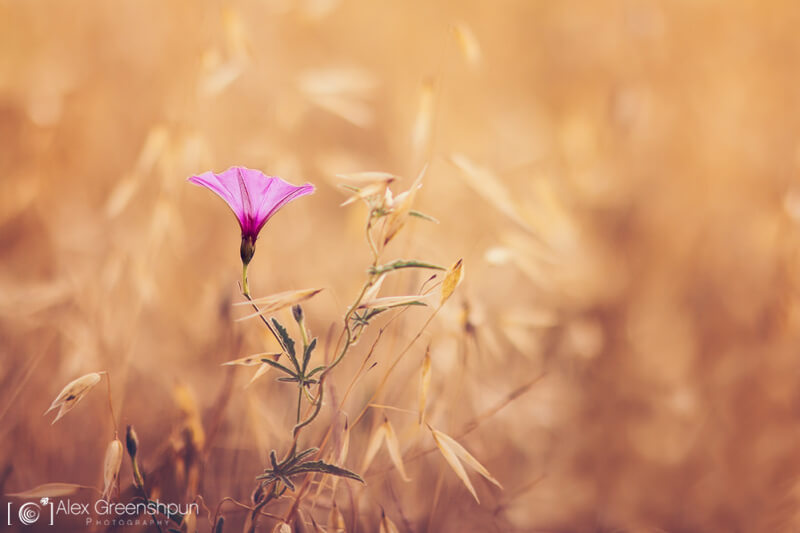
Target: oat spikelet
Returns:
[263, 369]
[336, 520]
[424, 385]
[454, 453]
[387, 526]
[467, 43]
[276, 302]
[368, 177]
[421, 134]
[401, 207]
[452, 280]
[189, 524]
[373, 189]
[48, 490]
[393, 445]
[282, 527]
[317, 528]
[74, 392]
[372, 448]
[385, 433]
[111, 466]
[486, 184]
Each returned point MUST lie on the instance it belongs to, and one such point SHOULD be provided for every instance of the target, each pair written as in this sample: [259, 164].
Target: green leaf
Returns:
[402, 263]
[307, 353]
[286, 340]
[318, 369]
[286, 481]
[273, 458]
[300, 456]
[280, 367]
[325, 468]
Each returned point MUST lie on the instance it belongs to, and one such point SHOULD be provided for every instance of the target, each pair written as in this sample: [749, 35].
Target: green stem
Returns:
[245, 286]
[299, 402]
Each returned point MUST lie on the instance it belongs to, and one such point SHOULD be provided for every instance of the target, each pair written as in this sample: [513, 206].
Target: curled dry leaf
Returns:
[452, 280]
[424, 384]
[276, 302]
[111, 466]
[74, 392]
[454, 453]
[48, 490]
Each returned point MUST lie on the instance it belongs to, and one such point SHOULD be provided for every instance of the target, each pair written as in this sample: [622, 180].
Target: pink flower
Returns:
[253, 198]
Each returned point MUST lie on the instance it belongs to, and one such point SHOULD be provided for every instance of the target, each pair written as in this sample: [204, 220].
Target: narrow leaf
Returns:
[401, 263]
[280, 367]
[307, 353]
[286, 340]
[393, 301]
[418, 214]
[325, 468]
[251, 360]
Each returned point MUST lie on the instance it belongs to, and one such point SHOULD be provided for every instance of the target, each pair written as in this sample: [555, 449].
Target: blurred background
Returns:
[620, 178]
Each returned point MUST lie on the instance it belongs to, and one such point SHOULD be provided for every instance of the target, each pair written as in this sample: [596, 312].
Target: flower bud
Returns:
[247, 249]
[131, 441]
[297, 313]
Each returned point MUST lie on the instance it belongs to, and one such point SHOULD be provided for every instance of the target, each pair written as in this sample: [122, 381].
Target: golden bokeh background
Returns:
[620, 178]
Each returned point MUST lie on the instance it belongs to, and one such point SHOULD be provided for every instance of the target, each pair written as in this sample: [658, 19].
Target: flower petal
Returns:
[252, 196]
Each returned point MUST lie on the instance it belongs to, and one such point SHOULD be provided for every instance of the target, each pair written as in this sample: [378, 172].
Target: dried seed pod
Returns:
[111, 466]
[74, 392]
